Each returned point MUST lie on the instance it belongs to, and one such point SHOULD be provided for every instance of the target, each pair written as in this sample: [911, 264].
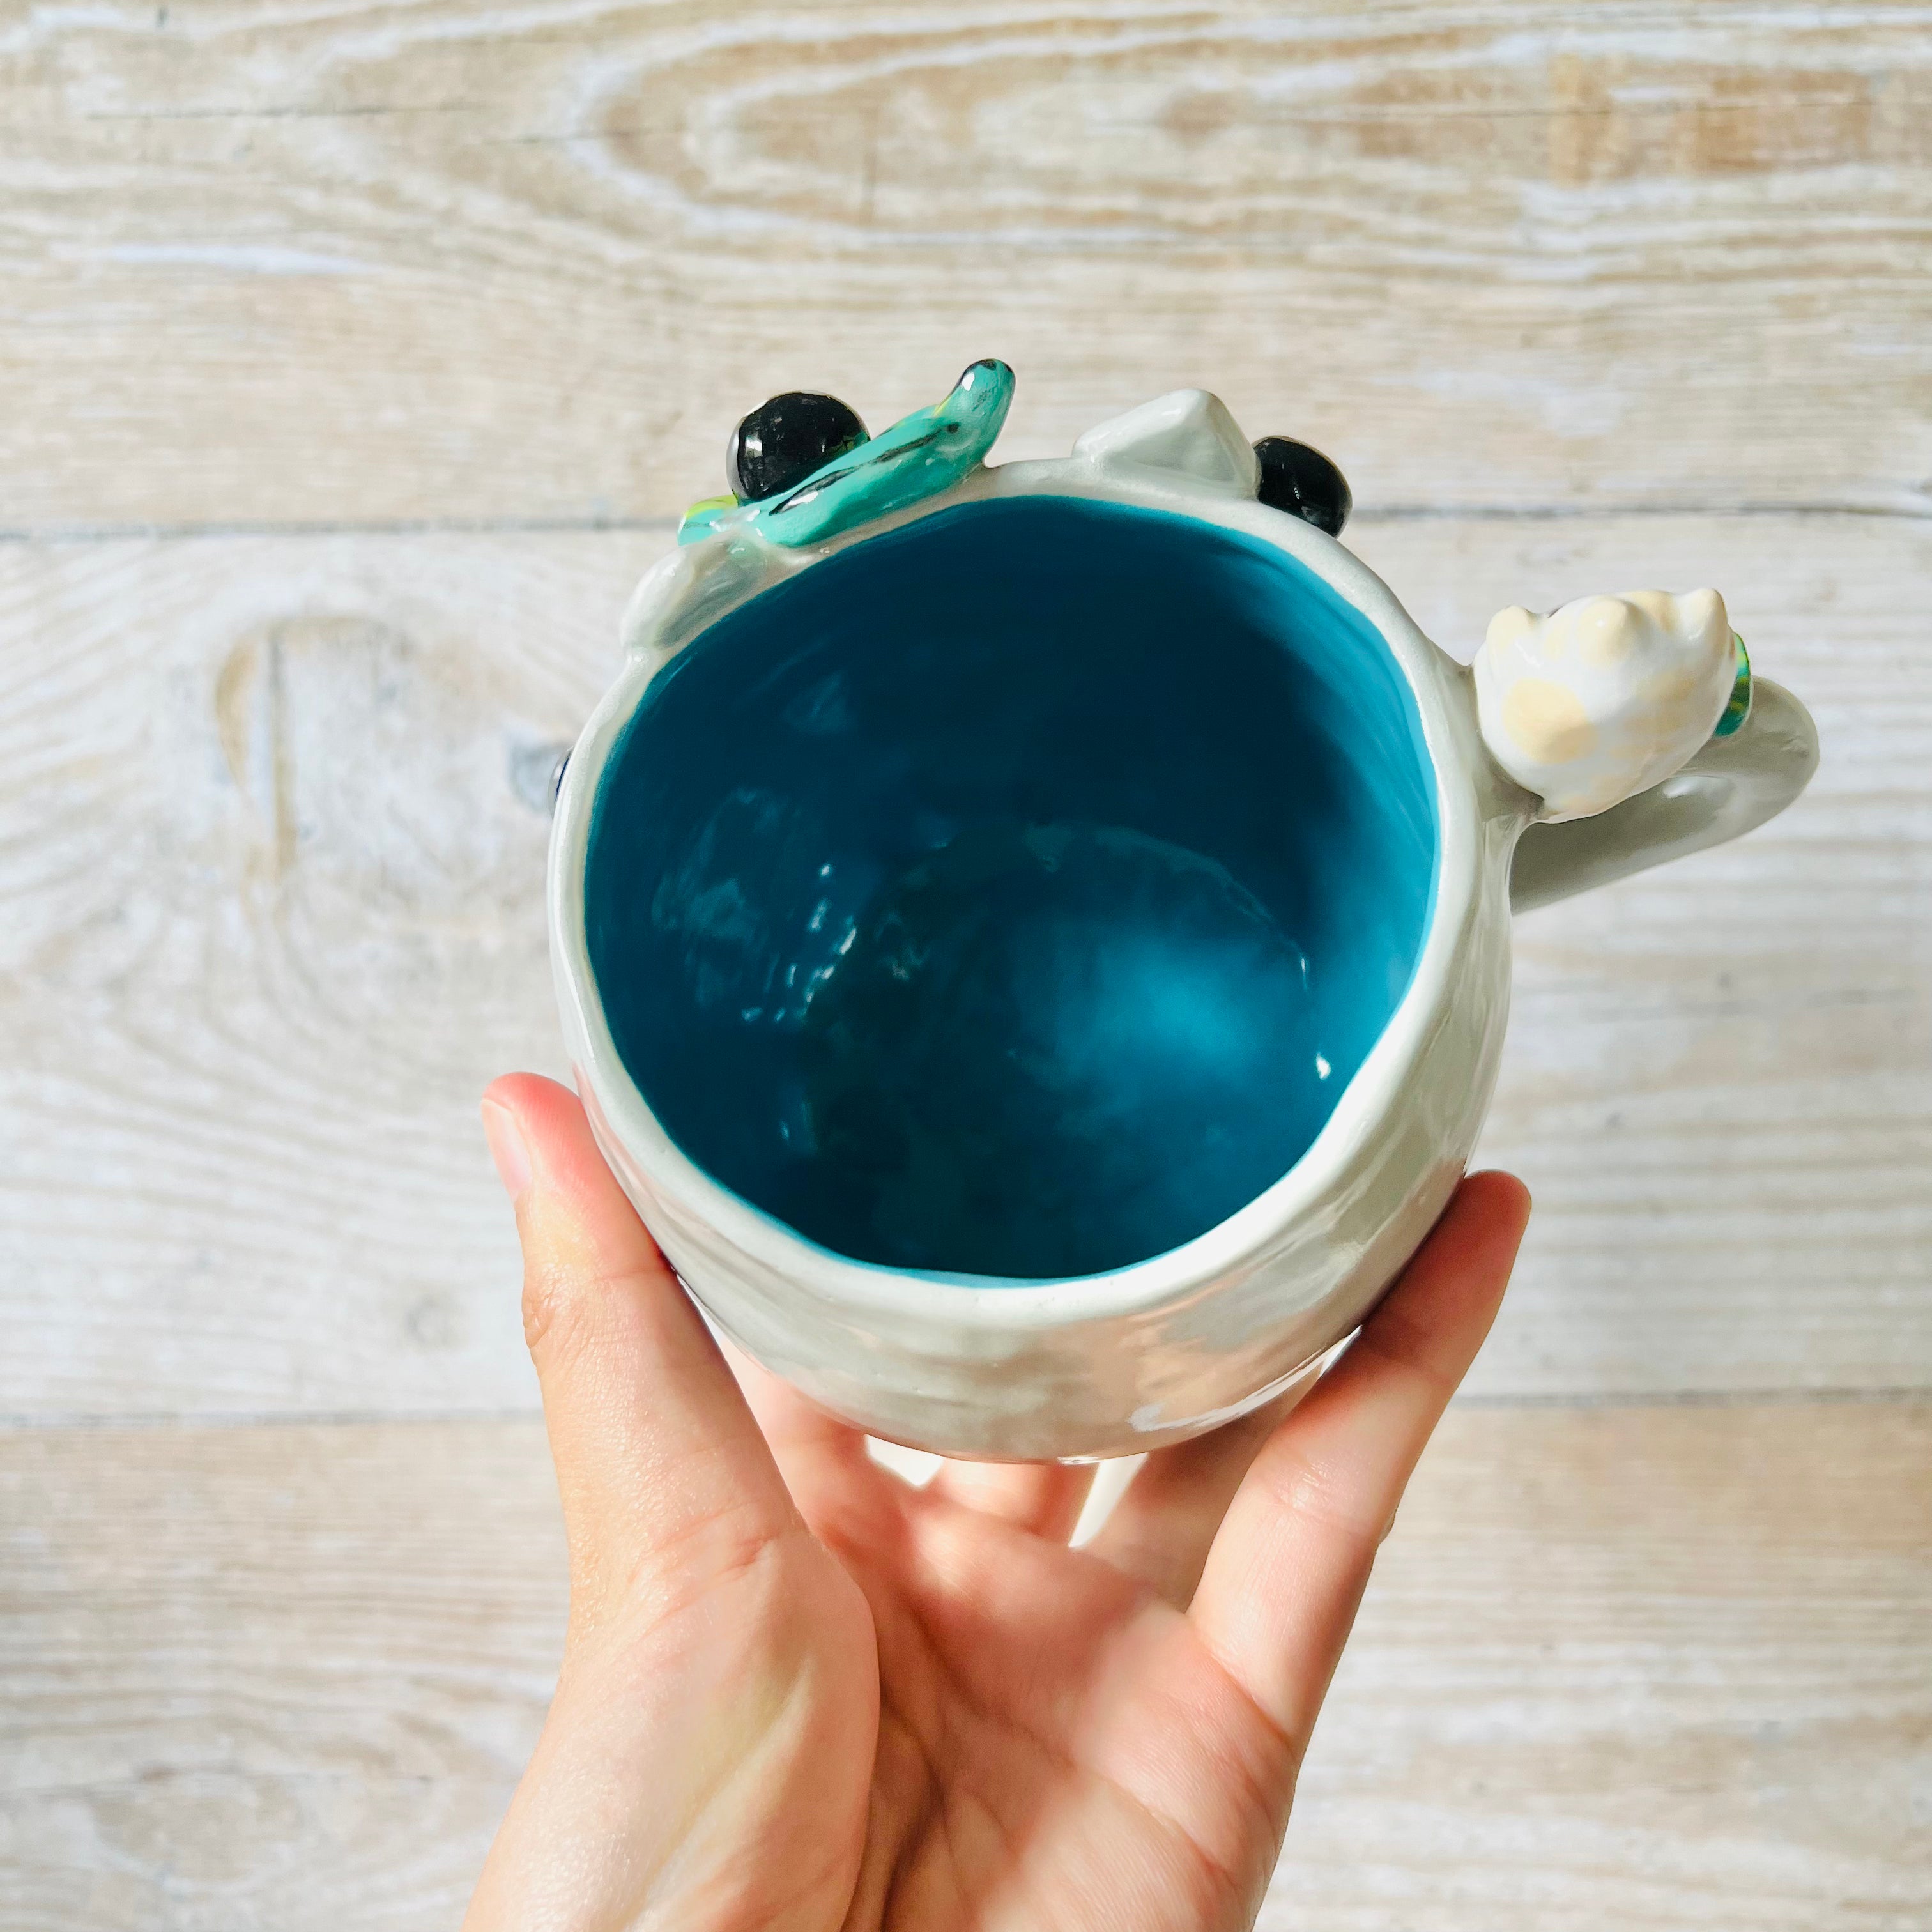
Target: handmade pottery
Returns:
[1034, 940]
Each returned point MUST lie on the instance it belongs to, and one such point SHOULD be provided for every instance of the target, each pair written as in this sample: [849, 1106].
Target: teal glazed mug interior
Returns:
[1034, 941]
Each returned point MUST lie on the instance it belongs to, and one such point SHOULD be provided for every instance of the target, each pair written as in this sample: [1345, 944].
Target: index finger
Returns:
[655, 1450]
[1287, 1571]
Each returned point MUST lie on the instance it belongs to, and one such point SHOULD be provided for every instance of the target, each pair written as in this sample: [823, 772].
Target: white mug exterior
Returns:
[1114, 1363]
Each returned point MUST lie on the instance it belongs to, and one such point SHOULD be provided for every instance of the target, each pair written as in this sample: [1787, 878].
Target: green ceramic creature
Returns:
[924, 453]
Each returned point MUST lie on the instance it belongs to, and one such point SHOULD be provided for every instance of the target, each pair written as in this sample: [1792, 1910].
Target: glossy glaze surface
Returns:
[1108, 1363]
[1094, 1364]
[1737, 712]
[1590, 704]
[920, 455]
[1297, 479]
[1019, 919]
[784, 439]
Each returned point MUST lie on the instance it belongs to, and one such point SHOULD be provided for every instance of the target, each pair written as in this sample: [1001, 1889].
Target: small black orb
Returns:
[777, 447]
[1304, 483]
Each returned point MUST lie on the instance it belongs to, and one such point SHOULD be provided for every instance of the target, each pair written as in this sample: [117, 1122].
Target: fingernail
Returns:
[506, 1148]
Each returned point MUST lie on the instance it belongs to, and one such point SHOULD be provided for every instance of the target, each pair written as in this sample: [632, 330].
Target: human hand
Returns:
[800, 1695]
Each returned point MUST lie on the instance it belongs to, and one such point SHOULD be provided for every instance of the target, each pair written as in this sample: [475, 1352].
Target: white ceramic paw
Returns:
[694, 585]
[1589, 704]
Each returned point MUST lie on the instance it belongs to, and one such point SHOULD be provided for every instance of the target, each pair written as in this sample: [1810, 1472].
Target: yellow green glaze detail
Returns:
[1738, 709]
[922, 453]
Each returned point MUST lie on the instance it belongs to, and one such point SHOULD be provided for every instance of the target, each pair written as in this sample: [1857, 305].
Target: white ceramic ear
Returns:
[1593, 702]
[1189, 432]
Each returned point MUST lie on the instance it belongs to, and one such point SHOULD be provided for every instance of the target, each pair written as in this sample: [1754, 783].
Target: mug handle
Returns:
[1729, 788]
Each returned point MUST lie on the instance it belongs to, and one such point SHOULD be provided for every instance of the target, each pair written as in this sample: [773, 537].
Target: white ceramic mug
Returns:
[1185, 747]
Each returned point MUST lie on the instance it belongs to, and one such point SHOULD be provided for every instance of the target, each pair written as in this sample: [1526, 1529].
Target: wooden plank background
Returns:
[354, 360]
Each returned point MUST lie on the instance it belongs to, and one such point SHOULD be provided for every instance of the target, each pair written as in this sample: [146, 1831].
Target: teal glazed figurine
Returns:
[1034, 940]
[862, 481]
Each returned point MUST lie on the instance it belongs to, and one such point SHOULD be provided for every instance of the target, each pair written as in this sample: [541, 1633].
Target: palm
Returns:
[1056, 1749]
[1056, 1746]
[804, 1696]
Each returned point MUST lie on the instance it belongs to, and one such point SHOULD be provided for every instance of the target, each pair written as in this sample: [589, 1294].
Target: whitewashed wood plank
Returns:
[276, 821]
[1663, 1667]
[463, 260]
[270, 917]
[267, 1677]
[1656, 1666]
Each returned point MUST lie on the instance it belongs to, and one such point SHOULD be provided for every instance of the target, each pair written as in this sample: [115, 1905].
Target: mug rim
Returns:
[996, 1303]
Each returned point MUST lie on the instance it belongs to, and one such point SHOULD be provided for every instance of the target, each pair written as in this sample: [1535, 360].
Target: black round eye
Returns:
[1304, 483]
[778, 446]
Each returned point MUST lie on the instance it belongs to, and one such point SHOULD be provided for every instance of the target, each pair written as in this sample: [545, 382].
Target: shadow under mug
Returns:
[1039, 969]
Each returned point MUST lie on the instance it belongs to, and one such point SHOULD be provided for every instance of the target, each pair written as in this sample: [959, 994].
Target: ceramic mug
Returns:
[1033, 941]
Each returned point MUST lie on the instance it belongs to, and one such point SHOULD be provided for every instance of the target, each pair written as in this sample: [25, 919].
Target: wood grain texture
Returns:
[1638, 1668]
[270, 917]
[260, 1678]
[1653, 1667]
[354, 359]
[451, 261]
[275, 834]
